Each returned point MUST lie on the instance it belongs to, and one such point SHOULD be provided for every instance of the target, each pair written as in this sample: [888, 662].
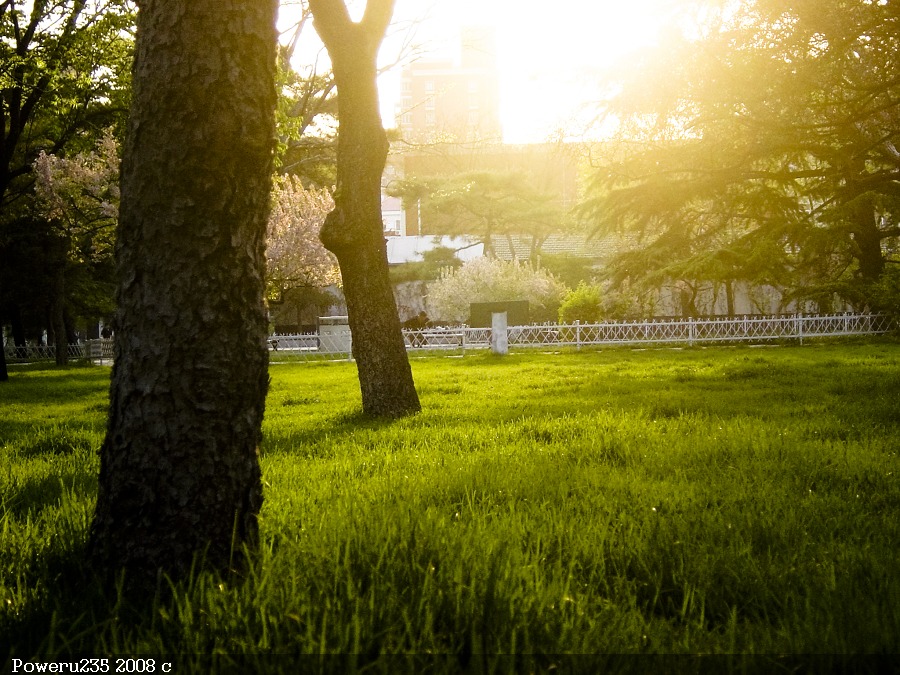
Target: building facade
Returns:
[447, 102]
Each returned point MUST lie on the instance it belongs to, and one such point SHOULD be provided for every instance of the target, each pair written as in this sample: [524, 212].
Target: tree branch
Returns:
[298, 30]
[333, 24]
[331, 21]
[377, 18]
[24, 41]
[7, 4]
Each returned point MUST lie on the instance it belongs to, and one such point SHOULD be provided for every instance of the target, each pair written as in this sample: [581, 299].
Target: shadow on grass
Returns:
[77, 615]
[308, 442]
[31, 495]
[73, 612]
[64, 607]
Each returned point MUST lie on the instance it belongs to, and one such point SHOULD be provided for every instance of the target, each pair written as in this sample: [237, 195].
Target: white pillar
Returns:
[499, 336]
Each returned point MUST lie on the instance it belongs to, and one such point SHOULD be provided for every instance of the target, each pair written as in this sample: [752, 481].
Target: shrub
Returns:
[493, 280]
[581, 304]
[885, 293]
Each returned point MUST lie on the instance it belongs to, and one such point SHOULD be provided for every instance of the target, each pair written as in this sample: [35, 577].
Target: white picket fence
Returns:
[688, 332]
[97, 351]
[459, 339]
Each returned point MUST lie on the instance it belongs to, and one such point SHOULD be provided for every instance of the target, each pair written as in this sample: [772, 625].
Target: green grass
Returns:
[704, 501]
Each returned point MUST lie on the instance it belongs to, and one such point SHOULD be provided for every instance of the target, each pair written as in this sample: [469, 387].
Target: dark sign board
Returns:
[516, 313]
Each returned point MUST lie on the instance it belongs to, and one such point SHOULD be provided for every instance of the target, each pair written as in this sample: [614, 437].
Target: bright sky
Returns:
[549, 52]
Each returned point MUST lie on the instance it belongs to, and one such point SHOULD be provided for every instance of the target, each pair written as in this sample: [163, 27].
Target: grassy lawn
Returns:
[726, 500]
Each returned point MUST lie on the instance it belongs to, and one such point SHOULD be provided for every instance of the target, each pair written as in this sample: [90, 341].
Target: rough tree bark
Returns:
[866, 238]
[179, 473]
[353, 231]
[4, 372]
[57, 316]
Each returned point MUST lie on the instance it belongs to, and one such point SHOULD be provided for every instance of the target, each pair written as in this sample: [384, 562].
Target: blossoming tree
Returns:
[295, 257]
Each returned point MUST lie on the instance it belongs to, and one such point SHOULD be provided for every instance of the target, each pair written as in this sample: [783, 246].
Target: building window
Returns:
[429, 86]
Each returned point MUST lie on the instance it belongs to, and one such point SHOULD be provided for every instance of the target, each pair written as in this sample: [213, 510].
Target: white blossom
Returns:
[294, 255]
[490, 280]
[80, 196]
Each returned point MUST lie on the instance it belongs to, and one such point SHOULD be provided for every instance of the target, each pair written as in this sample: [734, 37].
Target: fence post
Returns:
[577, 334]
[499, 333]
[800, 326]
[462, 340]
[93, 350]
[692, 331]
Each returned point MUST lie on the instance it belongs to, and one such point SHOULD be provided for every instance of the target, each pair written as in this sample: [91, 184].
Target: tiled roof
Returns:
[575, 245]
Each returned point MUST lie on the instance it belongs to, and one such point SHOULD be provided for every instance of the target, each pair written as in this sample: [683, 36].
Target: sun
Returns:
[551, 55]
[553, 65]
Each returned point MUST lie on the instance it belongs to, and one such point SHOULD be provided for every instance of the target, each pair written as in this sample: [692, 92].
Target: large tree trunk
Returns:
[179, 473]
[729, 297]
[354, 231]
[4, 372]
[866, 239]
[57, 315]
[18, 332]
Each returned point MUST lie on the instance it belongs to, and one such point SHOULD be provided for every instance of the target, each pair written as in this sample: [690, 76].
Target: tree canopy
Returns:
[77, 201]
[64, 79]
[760, 146]
[483, 204]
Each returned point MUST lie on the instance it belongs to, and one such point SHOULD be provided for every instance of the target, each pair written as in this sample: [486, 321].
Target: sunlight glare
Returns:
[551, 56]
